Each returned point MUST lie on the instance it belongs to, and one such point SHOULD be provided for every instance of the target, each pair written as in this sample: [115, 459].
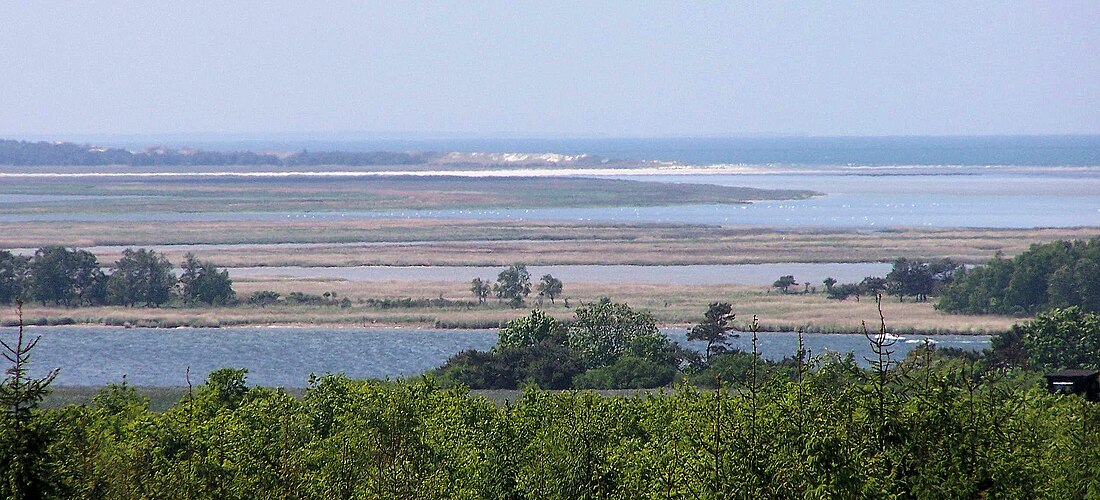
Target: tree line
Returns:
[513, 285]
[1060, 274]
[24, 153]
[60, 276]
[914, 278]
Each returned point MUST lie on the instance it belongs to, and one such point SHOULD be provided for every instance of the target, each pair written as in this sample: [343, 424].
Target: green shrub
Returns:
[628, 372]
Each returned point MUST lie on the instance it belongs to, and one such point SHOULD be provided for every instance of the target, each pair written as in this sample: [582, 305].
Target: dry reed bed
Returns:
[491, 243]
[672, 305]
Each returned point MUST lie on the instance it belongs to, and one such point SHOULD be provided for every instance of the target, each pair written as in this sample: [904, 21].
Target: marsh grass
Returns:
[492, 243]
[671, 305]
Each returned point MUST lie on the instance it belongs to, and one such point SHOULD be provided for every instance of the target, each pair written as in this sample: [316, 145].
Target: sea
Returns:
[1058, 150]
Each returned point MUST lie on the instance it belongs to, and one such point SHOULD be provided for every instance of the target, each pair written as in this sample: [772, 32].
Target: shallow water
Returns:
[995, 198]
[286, 356]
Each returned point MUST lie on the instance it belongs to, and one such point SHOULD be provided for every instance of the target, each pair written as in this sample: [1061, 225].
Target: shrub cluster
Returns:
[607, 345]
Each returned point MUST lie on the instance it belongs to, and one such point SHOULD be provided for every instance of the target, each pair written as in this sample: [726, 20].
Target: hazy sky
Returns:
[550, 68]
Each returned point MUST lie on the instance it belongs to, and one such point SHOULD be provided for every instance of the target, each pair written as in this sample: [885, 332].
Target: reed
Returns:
[419, 304]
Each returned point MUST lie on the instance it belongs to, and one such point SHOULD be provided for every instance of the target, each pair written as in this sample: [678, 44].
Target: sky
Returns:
[549, 69]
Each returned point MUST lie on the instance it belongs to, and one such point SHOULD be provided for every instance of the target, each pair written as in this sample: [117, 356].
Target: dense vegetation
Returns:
[929, 426]
[908, 278]
[71, 277]
[22, 153]
[605, 346]
[1059, 274]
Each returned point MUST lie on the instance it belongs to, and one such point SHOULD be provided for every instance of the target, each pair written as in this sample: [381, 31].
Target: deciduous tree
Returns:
[141, 277]
[550, 286]
[513, 284]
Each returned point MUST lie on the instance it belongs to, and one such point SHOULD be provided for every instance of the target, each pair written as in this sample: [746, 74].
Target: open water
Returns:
[287, 356]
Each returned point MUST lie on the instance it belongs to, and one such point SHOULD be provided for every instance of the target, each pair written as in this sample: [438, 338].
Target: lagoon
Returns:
[91, 355]
[854, 197]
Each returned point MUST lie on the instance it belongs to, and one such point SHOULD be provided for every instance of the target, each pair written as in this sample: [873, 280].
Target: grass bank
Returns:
[671, 305]
[404, 242]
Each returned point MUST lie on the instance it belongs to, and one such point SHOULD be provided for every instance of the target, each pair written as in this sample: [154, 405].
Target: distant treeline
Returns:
[70, 277]
[1059, 274]
[22, 153]
[909, 278]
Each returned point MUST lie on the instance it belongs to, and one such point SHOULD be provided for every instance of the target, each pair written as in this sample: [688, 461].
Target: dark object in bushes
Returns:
[1083, 382]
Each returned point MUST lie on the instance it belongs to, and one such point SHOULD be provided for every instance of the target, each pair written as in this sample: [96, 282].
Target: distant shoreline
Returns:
[505, 171]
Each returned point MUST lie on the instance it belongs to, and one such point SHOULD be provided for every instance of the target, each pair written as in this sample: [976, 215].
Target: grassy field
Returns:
[672, 305]
[495, 243]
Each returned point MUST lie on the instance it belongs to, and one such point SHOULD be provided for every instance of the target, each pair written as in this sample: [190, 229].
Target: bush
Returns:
[535, 328]
[1063, 338]
[263, 298]
[628, 372]
[546, 365]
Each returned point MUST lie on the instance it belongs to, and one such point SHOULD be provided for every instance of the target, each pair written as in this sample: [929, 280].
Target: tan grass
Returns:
[671, 304]
[494, 243]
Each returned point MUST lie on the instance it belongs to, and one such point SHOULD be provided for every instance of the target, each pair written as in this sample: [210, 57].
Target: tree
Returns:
[141, 277]
[920, 279]
[25, 460]
[480, 289]
[872, 285]
[1063, 338]
[908, 278]
[785, 282]
[12, 271]
[829, 282]
[19, 393]
[605, 331]
[202, 282]
[1057, 274]
[88, 280]
[52, 275]
[546, 365]
[535, 328]
[513, 284]
[714, 329]
[550, 286]
[66, 277]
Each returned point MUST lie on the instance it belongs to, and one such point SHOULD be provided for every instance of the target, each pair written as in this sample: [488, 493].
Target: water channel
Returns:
[287, 356]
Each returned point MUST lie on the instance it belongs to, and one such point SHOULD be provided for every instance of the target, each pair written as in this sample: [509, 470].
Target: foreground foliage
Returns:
[937, 424]
[934, 428]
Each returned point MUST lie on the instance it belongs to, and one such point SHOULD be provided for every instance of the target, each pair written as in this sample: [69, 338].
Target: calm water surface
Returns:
[286, 356]
[994, 198]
